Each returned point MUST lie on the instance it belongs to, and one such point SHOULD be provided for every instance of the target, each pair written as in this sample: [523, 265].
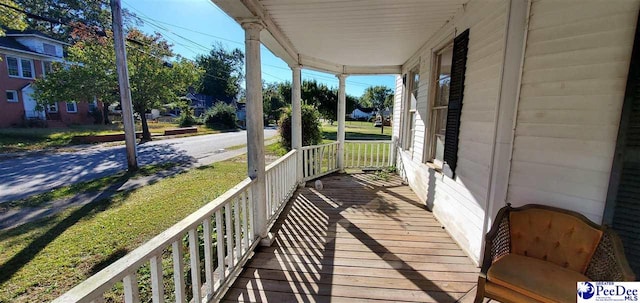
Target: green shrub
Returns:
[186, 119]
[311, 128]
[221, 115]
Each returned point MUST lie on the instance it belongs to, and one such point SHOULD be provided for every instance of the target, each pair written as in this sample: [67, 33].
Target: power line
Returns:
[197, 32]
[268, 74]
[154, 22]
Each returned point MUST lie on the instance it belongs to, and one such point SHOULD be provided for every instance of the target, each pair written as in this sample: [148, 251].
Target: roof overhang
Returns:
[31, 55]
[344, 36]
[39, 37]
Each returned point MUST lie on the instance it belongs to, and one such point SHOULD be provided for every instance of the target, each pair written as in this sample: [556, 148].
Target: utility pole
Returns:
[125, 89]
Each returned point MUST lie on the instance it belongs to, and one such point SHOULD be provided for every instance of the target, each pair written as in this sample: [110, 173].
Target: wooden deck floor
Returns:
[357, 240]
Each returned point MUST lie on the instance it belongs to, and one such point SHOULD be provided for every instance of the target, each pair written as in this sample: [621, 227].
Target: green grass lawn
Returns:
[45, 258]
[41, 260]
[357, 130]
[28, 139]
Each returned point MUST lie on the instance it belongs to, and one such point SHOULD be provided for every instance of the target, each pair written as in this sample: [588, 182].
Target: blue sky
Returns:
[192, 26]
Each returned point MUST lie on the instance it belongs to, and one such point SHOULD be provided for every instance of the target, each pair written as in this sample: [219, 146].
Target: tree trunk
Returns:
[105, 114]
[146, 135]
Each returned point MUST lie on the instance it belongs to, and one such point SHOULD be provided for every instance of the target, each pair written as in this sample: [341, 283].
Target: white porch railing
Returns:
[367, 154]
[223, 230]
[281, 184]
[319, 160]
[224, 227]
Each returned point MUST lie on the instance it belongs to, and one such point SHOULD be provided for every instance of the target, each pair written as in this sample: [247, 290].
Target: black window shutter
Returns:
[623, 199]
[456, 93]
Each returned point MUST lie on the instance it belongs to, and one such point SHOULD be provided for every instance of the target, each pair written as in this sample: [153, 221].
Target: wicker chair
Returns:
[540, 238]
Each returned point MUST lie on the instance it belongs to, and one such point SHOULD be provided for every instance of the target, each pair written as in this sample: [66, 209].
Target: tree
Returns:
[311, 128]
[92, 73]
[62, 17]
[11, 18]
[278, 95]
[222, 73]
[378, 97]
[275, 97]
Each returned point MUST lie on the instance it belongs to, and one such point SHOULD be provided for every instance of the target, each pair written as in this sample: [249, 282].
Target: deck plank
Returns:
[359, 239]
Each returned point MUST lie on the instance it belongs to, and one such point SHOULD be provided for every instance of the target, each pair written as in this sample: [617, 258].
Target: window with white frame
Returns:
[412, 101]
[19, 67]
[13, 66]
[12, 96]
[440, 105]
[47, 67]
[72, 107]
[52, 108]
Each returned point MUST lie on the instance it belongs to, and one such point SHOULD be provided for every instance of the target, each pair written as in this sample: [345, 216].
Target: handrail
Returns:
[368, 141]
[365, 154]
[308, 147]
[280, 160]
[319, 160]
[282, 181]
[96, 285]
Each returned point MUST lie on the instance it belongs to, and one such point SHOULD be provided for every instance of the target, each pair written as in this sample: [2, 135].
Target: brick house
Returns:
[27, 55]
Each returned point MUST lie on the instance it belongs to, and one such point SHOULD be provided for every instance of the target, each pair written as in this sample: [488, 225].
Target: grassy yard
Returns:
[43, 259]
[357, 130]
[27, 139]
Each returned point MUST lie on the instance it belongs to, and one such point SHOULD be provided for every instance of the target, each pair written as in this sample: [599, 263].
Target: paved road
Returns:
[25, 176]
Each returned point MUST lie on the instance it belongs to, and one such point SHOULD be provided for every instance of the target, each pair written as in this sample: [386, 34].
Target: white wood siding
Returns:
[459, 204]
[37, 45]
[573, 82]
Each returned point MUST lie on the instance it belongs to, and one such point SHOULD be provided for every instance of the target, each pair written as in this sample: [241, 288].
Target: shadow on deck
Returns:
[358, 239]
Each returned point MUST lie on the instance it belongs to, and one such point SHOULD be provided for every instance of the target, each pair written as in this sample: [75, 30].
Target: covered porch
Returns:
[360, 238]
[364, 236]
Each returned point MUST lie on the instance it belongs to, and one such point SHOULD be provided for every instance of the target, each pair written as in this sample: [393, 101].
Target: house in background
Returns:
[362, 113]
[199, 103]
[27, 55]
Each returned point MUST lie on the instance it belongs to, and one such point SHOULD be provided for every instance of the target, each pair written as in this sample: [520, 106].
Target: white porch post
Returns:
[255, 126]
[296, 119]
[342, 108]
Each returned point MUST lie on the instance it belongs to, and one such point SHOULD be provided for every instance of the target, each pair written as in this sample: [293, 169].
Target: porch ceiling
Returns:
[345, 36]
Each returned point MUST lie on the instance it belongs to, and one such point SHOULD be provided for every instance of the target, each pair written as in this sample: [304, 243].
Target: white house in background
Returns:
[362, 113]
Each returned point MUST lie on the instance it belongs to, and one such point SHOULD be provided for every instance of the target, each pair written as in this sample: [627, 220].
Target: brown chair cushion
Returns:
[553, 236]
[540, 280]
[503, 294]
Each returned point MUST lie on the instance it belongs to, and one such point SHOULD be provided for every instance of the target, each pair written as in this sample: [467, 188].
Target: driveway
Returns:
[22, 177]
